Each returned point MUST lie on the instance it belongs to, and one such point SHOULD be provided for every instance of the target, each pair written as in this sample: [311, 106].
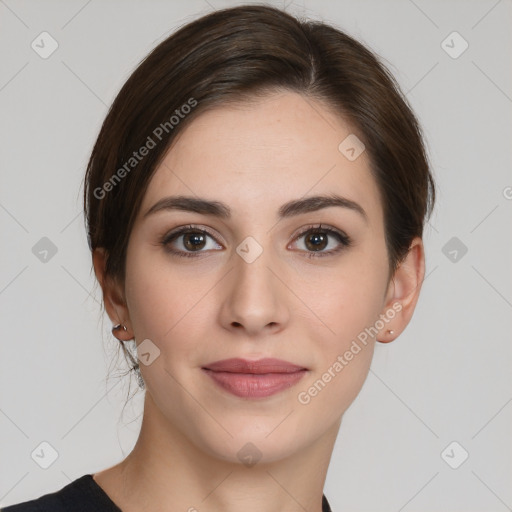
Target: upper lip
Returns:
[266, 365]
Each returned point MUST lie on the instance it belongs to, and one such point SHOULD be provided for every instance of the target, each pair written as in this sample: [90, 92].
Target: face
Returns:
[255, 280]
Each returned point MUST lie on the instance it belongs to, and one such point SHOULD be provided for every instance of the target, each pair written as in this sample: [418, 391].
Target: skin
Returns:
[216, 306]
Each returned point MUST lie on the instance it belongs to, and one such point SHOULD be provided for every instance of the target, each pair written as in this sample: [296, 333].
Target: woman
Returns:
[255, 204]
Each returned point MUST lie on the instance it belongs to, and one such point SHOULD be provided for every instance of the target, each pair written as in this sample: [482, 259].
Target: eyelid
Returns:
[321, 227]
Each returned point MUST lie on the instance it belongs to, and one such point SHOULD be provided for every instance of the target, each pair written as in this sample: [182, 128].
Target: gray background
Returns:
[447, 378]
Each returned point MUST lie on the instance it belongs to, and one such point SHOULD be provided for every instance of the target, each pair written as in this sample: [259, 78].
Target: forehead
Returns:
[262, 154]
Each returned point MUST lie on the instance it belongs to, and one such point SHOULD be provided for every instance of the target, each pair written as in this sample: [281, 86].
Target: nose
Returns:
[255, 298]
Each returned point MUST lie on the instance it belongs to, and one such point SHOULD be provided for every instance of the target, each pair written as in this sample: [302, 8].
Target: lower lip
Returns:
[252, 385]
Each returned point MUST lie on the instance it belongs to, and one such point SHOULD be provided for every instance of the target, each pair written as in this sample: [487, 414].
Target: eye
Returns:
[188, 240]
[318, 238]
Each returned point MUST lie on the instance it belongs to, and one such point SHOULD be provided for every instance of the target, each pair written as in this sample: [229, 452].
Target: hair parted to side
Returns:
[237, 55]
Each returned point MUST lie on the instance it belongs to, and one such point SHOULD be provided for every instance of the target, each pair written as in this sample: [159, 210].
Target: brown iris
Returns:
[194, 240]
[316, 240]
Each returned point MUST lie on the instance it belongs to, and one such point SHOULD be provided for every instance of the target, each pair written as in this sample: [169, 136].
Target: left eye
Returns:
[318, 239]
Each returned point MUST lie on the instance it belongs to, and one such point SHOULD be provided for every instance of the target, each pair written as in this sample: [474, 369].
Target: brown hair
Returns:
[235, 55]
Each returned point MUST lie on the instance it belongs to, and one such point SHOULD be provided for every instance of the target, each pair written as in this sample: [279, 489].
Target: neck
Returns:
[167, 472]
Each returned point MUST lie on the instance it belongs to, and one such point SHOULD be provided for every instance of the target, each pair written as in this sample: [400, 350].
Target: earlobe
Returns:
[113, 298]
[403, 294]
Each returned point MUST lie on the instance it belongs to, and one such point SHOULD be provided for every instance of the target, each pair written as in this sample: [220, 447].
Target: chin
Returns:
[263, 441]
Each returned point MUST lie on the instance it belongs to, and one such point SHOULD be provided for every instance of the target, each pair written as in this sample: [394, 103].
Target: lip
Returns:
[254, 379]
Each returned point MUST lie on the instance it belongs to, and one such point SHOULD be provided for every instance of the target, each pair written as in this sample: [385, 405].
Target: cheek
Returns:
[347, 298]
[348, 310]
[154, 293]
[151, 302]
[345, 356]
[166, 302]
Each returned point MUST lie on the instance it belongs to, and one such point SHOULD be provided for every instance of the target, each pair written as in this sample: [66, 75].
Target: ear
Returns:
[403, 293]
[113, 295]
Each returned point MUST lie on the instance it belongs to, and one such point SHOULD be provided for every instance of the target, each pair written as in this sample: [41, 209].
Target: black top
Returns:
[82, 495]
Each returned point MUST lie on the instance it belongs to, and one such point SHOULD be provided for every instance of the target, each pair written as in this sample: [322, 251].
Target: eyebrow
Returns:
[222, 211]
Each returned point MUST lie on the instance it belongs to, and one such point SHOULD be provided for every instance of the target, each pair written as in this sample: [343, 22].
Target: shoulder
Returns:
[81, 495]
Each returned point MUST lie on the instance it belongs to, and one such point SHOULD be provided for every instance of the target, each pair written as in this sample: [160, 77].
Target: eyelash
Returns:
[345, 241]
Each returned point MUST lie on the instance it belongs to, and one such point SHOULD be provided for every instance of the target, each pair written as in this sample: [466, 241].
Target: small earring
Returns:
[391, 331]
[117, 327]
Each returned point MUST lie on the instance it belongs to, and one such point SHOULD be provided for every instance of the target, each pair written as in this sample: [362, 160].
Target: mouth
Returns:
[254, 379]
